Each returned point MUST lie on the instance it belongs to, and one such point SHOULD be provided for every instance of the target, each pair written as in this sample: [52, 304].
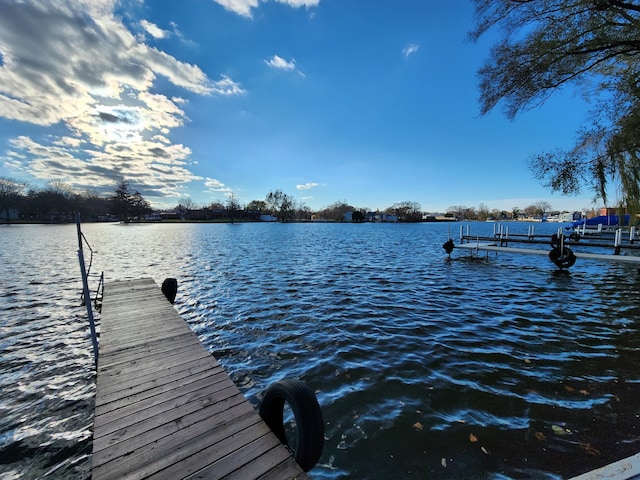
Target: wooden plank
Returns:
[150, 431]
[142, 379]
[157, 404]
[625, 469]
[114, 400]
[164, 407]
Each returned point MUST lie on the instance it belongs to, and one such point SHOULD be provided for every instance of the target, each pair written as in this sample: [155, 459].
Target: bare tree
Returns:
[11, 192]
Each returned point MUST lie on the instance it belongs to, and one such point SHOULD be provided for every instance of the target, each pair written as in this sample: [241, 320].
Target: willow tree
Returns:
[591, 45]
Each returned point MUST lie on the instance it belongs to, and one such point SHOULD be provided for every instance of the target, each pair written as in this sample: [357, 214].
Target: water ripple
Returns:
[502, 367]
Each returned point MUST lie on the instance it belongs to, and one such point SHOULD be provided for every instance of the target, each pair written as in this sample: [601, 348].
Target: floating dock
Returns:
[565, 250]
[495, 247]
[165, 408]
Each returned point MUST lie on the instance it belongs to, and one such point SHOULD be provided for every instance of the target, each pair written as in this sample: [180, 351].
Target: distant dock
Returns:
[561, 252]
[164, 406]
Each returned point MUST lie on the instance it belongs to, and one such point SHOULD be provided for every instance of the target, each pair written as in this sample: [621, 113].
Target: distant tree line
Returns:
[57, 202]
[482, 213]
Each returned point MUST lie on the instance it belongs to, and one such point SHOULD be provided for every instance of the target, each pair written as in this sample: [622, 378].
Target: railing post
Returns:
[87, 295]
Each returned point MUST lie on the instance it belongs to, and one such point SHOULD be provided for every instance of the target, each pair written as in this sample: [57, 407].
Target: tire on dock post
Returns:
[557, 240]
[170, 289]
[448, 246]
[308, 416]
[564, 258]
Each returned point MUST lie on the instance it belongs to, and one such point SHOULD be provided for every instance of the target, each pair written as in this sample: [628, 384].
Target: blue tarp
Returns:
[602, 219]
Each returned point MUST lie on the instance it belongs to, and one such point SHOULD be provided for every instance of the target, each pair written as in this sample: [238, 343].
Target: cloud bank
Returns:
[74, 66]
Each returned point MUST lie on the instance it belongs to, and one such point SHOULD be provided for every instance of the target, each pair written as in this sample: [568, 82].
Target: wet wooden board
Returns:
[625, 469]
[164, 406]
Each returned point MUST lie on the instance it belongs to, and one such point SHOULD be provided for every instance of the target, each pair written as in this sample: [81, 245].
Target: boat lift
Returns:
[562, 252]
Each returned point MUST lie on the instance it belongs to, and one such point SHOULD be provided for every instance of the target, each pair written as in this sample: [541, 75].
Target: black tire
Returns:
[563, 259]
[308, 415]
[170, 289]
[556, 240]
[448, 246]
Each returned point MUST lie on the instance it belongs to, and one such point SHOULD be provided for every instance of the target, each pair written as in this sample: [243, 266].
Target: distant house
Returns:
[569, 217]
[172, 215]
[347, 217]
[381, 217]
[200, 214]
[608, 211]
[268, 218]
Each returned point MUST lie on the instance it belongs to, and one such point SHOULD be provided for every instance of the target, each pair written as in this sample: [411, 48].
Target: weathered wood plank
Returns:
[625, 469]
[230, 452]
[158, 404]
[143, 379]
[202, 414]
[108, 404]
[187, 450]
[165, 408]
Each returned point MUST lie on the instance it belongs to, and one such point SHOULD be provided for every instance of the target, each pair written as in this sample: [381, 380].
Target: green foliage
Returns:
[593, 45]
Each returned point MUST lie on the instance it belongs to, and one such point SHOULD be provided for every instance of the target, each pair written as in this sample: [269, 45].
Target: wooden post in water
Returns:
[86, 294]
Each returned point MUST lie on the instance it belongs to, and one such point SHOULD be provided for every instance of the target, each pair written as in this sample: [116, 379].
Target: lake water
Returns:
[424, 366]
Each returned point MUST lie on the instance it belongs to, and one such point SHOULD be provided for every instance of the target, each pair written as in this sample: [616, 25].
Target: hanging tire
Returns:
[170, 289]
[448, 246]
[309, 421]
[563, 259]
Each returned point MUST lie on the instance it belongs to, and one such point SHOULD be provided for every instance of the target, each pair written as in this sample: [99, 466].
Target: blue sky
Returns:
[371, 103]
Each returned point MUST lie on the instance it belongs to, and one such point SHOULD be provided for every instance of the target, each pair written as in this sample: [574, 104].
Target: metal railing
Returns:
[86, 296]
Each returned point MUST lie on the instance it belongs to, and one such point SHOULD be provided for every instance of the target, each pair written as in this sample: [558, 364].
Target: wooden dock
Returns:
[625, 469]
[165, 408]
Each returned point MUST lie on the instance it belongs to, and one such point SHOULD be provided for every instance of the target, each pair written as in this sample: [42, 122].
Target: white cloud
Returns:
[245, 7]
[213, 183]
[226, 86]
[300, 3]
[153, 30]
[216, 186]
[75, 66]
[281, 63]
[307, 186]
[410, 49]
